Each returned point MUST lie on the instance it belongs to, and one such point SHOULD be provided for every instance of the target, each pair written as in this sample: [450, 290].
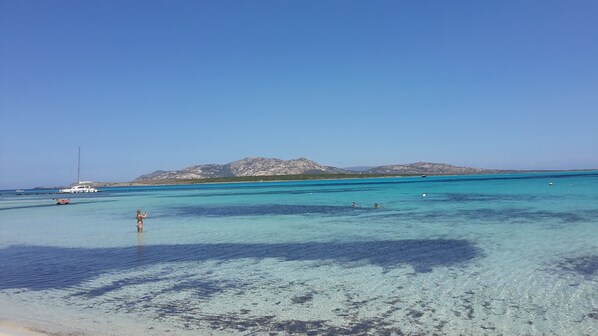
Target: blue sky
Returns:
[148, 85]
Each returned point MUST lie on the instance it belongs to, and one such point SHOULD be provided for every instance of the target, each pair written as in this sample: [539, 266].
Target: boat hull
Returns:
[78, 189]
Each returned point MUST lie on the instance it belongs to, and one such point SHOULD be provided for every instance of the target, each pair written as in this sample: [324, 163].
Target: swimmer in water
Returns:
[140, 218]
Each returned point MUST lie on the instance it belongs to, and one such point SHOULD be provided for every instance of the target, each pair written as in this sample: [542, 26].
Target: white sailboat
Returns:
[80, 187]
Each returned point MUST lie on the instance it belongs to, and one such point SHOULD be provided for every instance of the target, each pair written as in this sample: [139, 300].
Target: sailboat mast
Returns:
[79, 167]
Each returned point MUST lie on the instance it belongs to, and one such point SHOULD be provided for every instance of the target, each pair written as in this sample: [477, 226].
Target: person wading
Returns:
[140, 218]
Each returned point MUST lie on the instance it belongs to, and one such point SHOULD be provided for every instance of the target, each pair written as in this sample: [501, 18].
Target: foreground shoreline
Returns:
[13, 329]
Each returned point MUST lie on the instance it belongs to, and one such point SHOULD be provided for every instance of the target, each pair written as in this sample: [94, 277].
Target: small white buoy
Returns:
[549, 183]
[423, 195]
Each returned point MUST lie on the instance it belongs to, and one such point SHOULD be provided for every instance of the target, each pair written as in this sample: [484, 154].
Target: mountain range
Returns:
[257, 166]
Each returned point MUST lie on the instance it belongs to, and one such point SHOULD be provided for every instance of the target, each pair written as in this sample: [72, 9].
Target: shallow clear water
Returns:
[493, 255]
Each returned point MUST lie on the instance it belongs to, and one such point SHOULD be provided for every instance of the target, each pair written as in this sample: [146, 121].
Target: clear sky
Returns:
[148, 85]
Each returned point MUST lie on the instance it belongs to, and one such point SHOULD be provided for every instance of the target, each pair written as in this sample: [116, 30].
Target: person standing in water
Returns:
[140, 218]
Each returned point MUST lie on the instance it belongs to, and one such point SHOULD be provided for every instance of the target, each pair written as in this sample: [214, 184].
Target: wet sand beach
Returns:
[11, 329]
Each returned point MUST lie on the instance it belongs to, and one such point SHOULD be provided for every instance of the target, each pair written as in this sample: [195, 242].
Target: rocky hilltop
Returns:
[427, 168]
[245, 167]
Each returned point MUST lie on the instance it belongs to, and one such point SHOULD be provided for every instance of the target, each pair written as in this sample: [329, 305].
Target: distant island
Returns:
[258, 169]
[272, 169]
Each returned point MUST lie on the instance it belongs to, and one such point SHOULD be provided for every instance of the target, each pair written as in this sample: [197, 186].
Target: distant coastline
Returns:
[258, 169]
[305, 177]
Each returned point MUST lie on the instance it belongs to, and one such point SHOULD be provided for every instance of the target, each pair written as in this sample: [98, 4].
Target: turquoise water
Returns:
[492, 255]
